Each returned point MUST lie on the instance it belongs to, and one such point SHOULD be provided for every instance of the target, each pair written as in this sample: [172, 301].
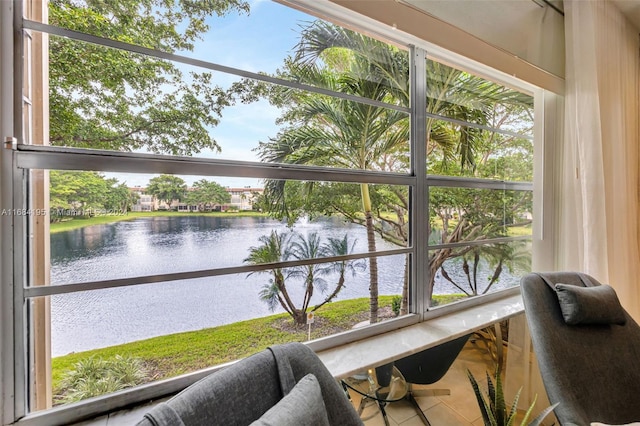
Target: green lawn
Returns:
[180, 353]
[81, 222]
[175, 354]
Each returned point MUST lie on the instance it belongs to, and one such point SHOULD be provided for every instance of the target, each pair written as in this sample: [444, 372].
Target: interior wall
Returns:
[533, 31]
[408, 19]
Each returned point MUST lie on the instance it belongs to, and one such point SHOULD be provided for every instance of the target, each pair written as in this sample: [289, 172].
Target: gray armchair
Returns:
[283, 385]
[587, 346]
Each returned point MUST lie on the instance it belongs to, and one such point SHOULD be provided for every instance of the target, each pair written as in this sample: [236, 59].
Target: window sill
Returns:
[348, 359]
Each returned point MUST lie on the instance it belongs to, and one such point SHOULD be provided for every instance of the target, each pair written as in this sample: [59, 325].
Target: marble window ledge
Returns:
[345, 360]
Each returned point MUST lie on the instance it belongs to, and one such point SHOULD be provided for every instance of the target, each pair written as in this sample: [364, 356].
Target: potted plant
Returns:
[494, 407]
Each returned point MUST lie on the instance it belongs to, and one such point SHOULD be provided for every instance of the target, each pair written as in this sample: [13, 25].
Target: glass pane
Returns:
[454, 150]
[463, 96]
[123, 225]
[476, 270]
[104, 226]
[331, 132]
[259, 36]
[105, 98]
[166, 329]
[195, 112]
[468, 214]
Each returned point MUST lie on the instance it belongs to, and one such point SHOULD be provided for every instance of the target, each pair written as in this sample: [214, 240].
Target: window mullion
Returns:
[58, 158]
[420, 194]
[18, 196]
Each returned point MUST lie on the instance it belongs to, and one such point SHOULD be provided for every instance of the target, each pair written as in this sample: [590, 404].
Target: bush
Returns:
[95, 376]
[396, 303]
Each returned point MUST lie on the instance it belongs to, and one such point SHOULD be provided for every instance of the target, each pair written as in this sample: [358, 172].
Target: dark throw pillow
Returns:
[590, 305]
[302, 406]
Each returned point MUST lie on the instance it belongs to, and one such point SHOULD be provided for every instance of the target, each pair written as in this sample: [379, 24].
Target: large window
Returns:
[479, 170]
[193, 193]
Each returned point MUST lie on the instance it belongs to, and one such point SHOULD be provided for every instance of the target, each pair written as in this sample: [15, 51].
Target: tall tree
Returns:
[167, 188]
[79, 190]
[339, 133]
[120, 198]
[87, 192]
[112, 99]
[206, 193]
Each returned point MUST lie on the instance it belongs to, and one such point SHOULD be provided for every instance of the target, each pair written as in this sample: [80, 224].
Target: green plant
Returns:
[494, 407]
[95, 376]
[396, 302]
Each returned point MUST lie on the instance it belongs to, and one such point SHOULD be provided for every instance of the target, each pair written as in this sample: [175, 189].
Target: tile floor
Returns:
[460, 408]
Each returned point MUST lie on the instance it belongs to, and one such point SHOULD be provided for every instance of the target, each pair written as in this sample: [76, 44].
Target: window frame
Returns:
[26, 157]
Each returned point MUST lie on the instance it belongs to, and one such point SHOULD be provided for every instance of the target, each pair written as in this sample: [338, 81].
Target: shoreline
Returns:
[82, 222]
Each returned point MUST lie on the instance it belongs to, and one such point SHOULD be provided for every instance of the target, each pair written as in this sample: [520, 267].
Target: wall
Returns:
[444, 36]
[529, 30]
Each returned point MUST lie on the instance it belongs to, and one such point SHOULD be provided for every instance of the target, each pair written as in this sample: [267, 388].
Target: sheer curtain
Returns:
[598, 185]
[598, 211]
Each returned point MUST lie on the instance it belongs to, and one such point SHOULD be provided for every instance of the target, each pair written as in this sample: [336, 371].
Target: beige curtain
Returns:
[598, 183]
[598, 208]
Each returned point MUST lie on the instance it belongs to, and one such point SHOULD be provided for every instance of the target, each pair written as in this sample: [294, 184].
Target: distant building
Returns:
[145, 202]
[242, 199]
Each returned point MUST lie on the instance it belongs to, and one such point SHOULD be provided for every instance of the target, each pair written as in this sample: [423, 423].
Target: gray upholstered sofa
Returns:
[283, 385]
[587, 346]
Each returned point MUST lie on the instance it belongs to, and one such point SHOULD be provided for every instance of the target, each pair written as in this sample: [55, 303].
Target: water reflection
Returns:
[93, 319]
[147, 246]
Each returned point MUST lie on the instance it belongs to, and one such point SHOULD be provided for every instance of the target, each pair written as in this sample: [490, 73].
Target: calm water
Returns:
[93, 319]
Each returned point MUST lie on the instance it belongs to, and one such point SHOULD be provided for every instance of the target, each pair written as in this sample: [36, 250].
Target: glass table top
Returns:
[384, 384]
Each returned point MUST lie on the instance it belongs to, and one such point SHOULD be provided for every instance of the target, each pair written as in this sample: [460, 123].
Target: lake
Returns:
[157, 245]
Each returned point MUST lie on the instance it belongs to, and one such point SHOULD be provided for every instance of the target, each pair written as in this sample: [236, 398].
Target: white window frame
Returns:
[17, 161]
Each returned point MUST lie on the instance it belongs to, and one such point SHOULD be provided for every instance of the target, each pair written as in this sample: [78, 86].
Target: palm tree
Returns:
[515, 254]
[339, 247]
[340, 133]
[307, 248]
[294, 246]
[274, 248]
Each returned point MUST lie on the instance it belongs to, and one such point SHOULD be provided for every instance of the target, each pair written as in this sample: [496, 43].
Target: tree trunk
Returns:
[404, 305]
[334, 294]
[300, 317]
[283, 296]
[373, 261]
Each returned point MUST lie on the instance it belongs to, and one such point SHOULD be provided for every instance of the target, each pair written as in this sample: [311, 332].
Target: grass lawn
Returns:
[81, 222]
[179, 353]
[175, 354]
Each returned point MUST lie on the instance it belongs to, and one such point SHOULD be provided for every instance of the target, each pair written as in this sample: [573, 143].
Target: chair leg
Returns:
[384, 412]
[413, 402]
[363, 403]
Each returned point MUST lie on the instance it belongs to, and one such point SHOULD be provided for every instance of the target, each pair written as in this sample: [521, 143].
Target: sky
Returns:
[258, 42]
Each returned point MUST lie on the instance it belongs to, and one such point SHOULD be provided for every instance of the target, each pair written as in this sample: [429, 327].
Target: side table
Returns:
[380, 385]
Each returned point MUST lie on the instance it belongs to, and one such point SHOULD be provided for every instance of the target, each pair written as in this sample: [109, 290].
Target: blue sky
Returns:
[258, 42]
